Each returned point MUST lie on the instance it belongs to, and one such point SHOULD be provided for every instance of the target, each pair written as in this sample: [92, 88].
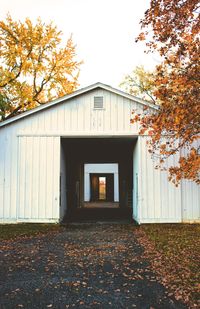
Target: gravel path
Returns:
[83, 266]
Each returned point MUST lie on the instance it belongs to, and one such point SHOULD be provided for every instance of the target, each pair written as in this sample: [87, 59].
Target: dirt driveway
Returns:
[82, 266]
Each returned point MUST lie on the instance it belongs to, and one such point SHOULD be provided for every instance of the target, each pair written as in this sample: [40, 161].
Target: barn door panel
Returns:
[38, 178]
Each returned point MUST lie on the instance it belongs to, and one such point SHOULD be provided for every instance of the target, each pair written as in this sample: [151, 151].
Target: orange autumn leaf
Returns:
[172, 28]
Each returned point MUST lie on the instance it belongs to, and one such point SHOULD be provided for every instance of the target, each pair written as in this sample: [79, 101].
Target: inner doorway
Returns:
[102, 187]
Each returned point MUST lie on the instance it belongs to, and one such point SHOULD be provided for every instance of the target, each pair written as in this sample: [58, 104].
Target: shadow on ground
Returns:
[82, 266]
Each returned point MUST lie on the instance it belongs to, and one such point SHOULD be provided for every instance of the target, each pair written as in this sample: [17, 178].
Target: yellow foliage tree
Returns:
[34, 66]
[140, 83]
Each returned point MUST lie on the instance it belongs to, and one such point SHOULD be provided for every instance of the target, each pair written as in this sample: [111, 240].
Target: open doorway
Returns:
[111, 160]
[102, 187]
[101, 183]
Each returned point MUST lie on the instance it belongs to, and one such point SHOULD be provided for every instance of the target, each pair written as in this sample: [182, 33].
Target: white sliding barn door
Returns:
[190, 194]
[159, 199]
[38, 179]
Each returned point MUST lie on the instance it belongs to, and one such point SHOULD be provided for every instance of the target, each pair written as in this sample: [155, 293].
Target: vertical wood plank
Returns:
[28, 178]
[21, 178]
[42, 178]
[49, 179]
[14, 174]
[35, 178]
[56, 177]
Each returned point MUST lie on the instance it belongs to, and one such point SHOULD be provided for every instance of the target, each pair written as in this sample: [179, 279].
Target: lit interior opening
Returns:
[102, 188]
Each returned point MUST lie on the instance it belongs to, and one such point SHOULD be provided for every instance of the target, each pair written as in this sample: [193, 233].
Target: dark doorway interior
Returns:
[102, 187]
[79, 151]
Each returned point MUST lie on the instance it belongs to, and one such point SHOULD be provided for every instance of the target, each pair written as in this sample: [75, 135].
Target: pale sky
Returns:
[104, 32]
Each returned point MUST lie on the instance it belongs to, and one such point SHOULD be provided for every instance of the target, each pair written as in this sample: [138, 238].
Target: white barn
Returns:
[82, 149]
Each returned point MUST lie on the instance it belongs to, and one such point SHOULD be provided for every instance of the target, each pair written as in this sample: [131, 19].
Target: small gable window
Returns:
[98, 102]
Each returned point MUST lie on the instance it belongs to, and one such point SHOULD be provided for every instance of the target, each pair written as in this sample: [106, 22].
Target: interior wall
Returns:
[101, 169]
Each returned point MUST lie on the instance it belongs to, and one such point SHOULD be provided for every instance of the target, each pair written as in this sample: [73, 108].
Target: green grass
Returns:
[11, 231]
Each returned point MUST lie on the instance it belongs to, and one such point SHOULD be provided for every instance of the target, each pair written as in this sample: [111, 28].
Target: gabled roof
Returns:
[74, 94]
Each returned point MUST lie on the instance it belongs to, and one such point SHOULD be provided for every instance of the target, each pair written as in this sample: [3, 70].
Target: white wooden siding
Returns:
[159, 200]
[8, 174]
[30, 152]
[190, 196]
[190, 201]
[78, 117]
[38, 179]
[29, 187]
[30, 162]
